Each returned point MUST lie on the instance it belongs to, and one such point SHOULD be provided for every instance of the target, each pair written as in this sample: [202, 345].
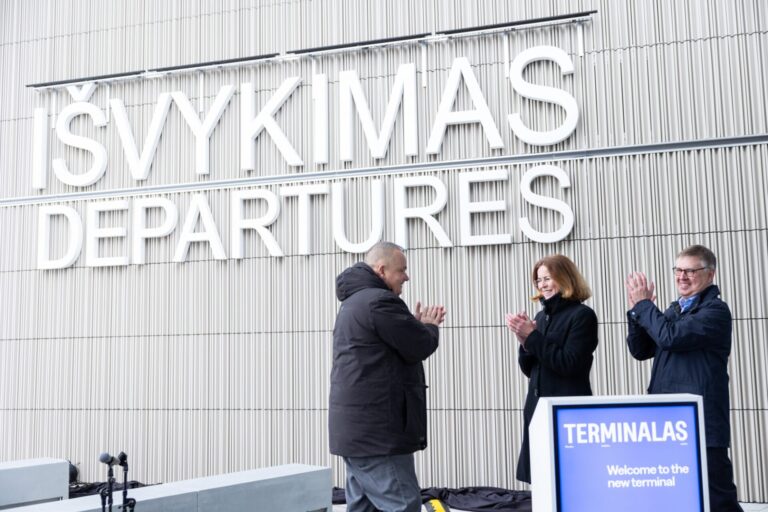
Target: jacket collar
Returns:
[707, 294]
[552, 304]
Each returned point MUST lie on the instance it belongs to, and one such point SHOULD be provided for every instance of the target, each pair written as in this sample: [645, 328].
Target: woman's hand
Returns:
[520, 324]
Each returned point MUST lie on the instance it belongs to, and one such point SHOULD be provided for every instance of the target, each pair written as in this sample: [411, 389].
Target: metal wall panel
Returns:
[227, 361]
[627, 96]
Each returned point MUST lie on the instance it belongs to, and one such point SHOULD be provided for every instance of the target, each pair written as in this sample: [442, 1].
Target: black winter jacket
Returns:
[557, 358]
[690, 352]
[378, 391]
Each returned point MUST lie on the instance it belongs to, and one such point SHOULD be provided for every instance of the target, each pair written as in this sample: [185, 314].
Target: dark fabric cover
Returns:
[480, 498]
[690, 352]
[377, 402]
[468, 498]
[81, 489]
[557, 358]
[338, 496]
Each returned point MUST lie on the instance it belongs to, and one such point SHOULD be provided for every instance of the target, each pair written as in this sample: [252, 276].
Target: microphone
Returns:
[122, 459]
[108, 459]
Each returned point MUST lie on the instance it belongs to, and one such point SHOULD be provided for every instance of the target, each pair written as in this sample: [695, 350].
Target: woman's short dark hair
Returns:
[566, 274]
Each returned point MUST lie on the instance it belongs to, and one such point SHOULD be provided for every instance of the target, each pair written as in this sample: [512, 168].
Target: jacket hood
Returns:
[357, 277]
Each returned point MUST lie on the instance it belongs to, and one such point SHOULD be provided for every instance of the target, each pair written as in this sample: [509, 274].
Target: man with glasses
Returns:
[690, 343]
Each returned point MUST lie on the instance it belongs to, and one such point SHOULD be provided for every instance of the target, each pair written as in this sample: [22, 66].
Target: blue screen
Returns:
[633, 458]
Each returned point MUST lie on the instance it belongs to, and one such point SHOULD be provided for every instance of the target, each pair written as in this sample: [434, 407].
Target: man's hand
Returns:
[520, 324]
[639, 288]
[434, 315]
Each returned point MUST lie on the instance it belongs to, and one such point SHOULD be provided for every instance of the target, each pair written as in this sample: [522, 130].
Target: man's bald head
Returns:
[388, 262]
[382, 252]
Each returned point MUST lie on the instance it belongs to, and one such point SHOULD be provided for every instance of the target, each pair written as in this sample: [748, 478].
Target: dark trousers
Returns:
[722, 491]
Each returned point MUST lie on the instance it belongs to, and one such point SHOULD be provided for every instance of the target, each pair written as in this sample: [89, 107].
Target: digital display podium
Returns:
[629, 453]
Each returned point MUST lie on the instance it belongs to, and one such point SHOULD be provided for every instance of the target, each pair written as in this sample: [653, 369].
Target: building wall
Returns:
[211, 366]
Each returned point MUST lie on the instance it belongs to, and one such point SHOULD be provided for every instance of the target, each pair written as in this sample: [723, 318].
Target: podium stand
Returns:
[629, 453]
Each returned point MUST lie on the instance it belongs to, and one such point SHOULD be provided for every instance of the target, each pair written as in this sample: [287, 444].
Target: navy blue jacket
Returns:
[557, 358]
[690, 352]
[378, 403]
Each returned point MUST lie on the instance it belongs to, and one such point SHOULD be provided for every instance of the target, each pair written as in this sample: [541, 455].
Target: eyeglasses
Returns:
[689, 272]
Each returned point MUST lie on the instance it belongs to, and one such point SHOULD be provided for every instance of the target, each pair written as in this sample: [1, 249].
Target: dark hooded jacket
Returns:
[377, 401]
[557, 358]
[690, 354]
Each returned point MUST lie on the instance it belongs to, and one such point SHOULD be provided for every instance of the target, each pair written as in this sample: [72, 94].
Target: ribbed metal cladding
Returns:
[213, 366]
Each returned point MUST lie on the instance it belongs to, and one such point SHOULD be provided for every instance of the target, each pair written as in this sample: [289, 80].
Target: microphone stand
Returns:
[106, 495]
[128, 503]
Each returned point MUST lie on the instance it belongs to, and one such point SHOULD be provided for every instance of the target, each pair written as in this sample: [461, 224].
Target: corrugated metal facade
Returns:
[212, 366]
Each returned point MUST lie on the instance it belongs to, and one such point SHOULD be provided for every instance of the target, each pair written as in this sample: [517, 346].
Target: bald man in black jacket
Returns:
[378, 414]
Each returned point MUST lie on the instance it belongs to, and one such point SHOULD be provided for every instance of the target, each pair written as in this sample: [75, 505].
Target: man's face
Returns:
[695, 279]
[392, 271]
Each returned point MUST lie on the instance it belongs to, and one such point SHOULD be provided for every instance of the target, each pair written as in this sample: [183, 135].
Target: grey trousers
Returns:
[385, 483]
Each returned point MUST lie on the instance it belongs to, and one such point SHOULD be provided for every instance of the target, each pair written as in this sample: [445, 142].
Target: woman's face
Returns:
[545, 284]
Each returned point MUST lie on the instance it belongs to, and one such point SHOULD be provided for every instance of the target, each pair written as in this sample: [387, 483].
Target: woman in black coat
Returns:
[556, 347]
